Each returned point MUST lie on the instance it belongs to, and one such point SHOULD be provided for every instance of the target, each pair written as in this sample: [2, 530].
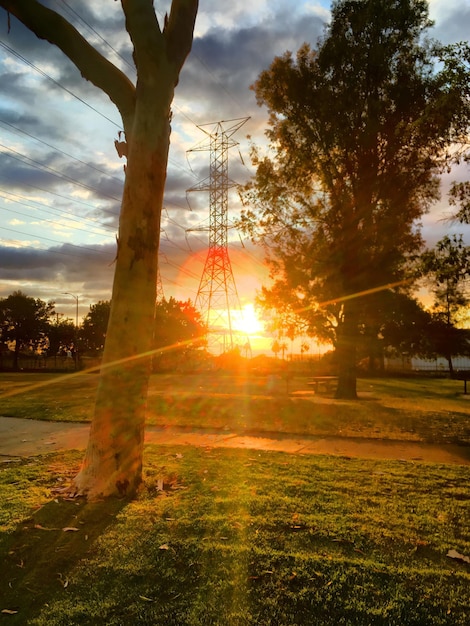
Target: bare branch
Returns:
[49, 25]
[179, 30]
[144, 31]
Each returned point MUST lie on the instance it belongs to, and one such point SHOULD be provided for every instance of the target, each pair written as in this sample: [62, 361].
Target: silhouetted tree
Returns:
[359, 127]
[24, 321]
[94, 327]
[394, 323]
[61, 334]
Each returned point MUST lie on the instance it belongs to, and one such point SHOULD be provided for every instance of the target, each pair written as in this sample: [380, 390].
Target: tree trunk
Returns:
[346, 354]
[113, 460]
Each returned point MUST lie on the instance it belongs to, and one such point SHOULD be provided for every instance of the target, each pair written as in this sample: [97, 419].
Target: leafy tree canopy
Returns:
[359, 128]
[179, 331]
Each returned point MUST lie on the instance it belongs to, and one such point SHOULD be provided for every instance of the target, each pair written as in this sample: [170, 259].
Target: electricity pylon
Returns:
[217, 296]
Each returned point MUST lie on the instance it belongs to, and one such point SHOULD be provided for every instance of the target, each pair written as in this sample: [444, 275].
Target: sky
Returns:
[61, 178]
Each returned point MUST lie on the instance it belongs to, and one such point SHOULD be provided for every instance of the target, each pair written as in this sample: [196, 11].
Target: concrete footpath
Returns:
[25, 438]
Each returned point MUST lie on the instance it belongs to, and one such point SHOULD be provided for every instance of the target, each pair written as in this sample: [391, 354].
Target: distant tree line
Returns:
[30, 327]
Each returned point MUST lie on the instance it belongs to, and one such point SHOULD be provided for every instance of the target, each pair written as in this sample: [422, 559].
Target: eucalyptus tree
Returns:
[359, 127]
[113, 460]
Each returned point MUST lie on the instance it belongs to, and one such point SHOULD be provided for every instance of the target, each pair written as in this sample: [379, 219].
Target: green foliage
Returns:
[179, 332]
[359, 128]
[242, 537]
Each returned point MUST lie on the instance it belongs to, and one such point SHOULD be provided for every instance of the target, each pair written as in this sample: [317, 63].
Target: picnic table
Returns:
[461, 375]
[322, 381]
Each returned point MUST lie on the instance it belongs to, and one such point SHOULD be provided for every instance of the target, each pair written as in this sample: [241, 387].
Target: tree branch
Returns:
[179, 30]
[49, 25]
[144, 31]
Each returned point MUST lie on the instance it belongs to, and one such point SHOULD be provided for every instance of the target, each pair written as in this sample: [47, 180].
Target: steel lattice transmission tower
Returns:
[217, 296]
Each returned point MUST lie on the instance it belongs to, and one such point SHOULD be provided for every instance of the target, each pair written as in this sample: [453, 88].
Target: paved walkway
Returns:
[22, 437]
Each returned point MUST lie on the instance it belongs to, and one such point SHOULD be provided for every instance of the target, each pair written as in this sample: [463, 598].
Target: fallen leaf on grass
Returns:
[164, 546]
[146, 599]
[9, 612]
[453, 554]
[64, 581]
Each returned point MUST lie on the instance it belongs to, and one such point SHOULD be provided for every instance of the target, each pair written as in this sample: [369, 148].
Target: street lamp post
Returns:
[67, 293]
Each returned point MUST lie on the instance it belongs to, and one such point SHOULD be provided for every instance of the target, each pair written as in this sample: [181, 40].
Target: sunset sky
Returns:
[61, 178]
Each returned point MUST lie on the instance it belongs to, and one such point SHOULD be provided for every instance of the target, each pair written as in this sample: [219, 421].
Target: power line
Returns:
[12, 230]
[73, 200]
[118, 54]
[93, 167]
[37, 69]
[54, 222]
[35, 205]
[54, 172]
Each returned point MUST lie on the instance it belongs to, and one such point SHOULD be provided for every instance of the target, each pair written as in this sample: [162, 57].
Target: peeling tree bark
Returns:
[113, 459]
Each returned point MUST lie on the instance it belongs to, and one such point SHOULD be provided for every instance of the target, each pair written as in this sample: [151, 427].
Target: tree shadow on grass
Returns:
[40, 554]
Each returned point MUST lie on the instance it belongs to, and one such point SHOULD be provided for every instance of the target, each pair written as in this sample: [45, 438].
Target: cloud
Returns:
[452, 19]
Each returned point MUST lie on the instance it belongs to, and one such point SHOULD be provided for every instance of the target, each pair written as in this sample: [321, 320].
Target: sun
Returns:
[247, 322]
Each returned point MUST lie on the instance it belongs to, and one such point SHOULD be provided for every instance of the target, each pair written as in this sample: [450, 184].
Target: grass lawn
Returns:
[431, 410]
[237, 537]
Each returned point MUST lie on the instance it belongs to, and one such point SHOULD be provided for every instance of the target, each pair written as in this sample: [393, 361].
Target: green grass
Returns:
[430, 410]
[239, 537]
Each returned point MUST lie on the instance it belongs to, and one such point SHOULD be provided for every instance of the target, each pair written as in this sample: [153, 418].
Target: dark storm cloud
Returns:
[224, 63]
[65, 262]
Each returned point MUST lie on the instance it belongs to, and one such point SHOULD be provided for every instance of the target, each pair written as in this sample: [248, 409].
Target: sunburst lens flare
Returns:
[247, 321]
